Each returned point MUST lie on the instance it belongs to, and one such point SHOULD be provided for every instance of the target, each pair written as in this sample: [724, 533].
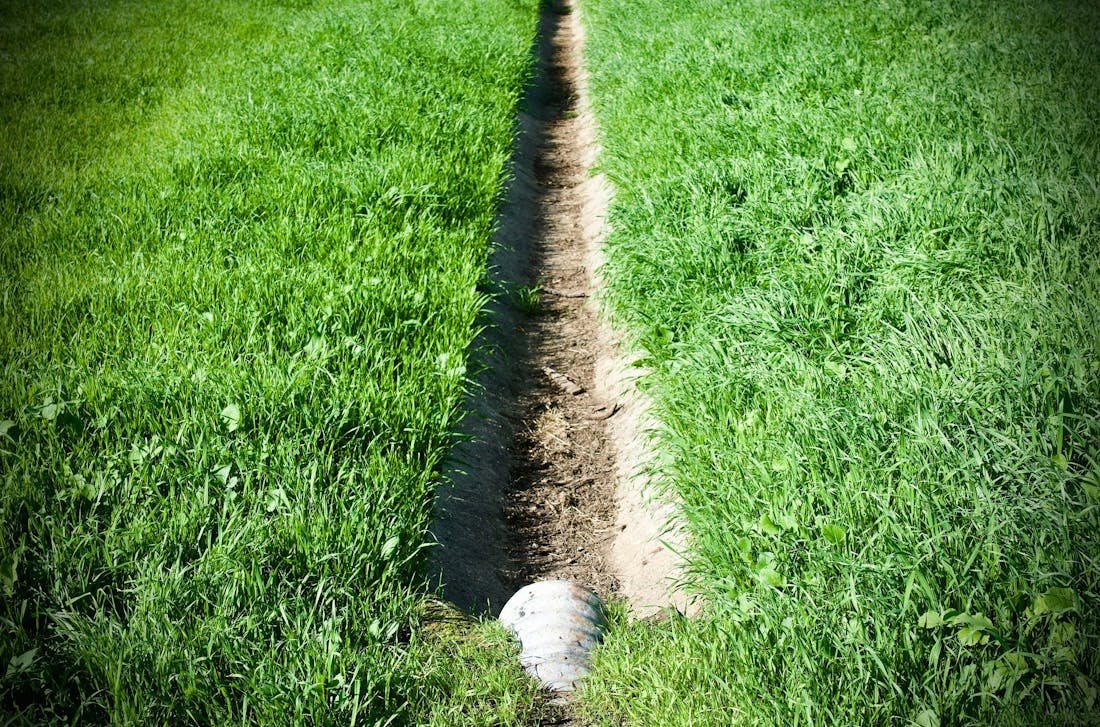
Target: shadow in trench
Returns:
[470, 558]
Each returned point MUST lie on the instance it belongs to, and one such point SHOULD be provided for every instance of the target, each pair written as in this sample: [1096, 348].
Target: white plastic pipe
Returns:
[558, 623]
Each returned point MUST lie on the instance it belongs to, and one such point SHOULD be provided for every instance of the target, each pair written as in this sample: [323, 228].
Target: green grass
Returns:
[859, 243]
[242, 246]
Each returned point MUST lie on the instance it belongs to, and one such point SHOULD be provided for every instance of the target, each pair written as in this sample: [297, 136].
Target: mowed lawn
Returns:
[859, 244]
[242, 248]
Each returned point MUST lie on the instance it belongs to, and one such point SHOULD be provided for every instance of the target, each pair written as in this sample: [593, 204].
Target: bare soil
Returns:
[546, 481]
[560, 508]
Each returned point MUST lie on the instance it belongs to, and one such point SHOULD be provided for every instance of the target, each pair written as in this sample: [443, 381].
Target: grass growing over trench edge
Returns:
[242, 251]
[859, 244]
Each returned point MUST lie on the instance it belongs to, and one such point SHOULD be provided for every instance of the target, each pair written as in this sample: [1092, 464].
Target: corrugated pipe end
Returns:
[558, 623]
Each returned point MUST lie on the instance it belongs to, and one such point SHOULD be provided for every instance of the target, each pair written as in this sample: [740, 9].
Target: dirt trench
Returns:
[547, 482]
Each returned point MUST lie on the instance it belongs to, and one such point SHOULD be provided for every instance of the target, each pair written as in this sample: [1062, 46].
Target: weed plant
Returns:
[527, 299]
[241, 251]
[859, 243]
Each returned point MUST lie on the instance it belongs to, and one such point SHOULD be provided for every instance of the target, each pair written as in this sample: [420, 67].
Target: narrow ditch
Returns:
[560, 508]
[544, 483]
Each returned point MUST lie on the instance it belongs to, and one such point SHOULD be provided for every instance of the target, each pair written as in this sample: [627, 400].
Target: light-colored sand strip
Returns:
[649, 538]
